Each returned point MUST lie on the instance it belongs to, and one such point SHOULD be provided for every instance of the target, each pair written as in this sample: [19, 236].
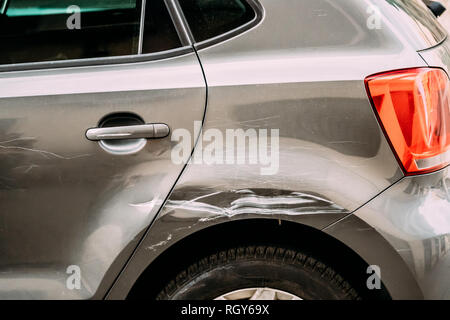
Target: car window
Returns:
[159, 32]
[51, 30]
[210, 18]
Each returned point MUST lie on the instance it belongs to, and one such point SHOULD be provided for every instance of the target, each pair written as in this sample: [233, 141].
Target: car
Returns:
[230, 150]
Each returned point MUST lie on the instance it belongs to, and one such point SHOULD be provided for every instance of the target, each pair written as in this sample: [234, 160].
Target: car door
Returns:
[88, 94]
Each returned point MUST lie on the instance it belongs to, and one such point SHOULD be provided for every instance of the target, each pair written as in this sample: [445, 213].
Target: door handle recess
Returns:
[143, 131]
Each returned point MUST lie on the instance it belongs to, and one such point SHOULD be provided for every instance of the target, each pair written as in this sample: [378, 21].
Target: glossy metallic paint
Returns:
[311, 87]
[301, 70]
[413, 216]
[64, 200]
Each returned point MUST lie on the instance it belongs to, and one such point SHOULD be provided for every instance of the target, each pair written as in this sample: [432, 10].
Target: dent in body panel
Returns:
[246, 201]
[192, 208]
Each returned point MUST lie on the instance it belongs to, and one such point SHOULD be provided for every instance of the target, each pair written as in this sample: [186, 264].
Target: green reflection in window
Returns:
[22, 8]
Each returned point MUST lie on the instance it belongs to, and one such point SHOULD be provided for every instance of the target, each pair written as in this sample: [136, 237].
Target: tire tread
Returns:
[267, 253]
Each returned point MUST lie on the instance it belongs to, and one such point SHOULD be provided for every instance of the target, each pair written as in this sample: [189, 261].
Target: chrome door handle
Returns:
[144, 131]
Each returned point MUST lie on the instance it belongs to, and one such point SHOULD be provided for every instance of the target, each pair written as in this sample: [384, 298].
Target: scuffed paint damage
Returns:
[255, 201]
[47, 154]
[44, 153]
[160, 244]
[197, 206]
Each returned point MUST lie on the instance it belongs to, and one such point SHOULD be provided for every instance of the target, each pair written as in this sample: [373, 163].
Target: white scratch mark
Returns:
[44, 153]
[159, 244]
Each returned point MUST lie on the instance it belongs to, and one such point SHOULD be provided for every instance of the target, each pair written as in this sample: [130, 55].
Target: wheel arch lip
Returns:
[373, 248]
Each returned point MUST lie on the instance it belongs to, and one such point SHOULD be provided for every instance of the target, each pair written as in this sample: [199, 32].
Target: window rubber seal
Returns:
[102, 61]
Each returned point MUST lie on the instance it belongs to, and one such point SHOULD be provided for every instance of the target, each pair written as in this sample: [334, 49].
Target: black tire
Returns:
[278, 268]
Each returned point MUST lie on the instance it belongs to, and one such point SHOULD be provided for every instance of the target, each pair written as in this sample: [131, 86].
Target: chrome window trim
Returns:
[4, 6]
[180, 22]
[259, 16]
[142, 26]
[96, 61]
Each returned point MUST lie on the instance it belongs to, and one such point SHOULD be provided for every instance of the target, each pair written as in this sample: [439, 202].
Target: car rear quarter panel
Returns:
[414, 217]
[301, 71]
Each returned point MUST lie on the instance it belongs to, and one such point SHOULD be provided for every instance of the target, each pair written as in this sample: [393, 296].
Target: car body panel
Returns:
[66, 201]
[413, 216]
[303, 77]
[311, 90]
[413, 20]
[314, 93]
[438, 56]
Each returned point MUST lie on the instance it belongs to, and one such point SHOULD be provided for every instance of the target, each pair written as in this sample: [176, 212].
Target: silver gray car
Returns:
[224, 149]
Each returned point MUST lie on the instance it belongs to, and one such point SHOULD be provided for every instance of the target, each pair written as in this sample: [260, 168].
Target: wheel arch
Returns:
[254, 231]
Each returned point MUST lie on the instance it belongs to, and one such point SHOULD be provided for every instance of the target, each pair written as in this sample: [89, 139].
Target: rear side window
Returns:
[51, 30]
[159, 32]
[211, 18]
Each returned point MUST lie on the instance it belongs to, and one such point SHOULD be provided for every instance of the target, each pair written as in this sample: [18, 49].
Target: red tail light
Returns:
[414, 111]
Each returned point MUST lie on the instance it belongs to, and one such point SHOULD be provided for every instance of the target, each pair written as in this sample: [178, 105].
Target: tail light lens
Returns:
[414, 111]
